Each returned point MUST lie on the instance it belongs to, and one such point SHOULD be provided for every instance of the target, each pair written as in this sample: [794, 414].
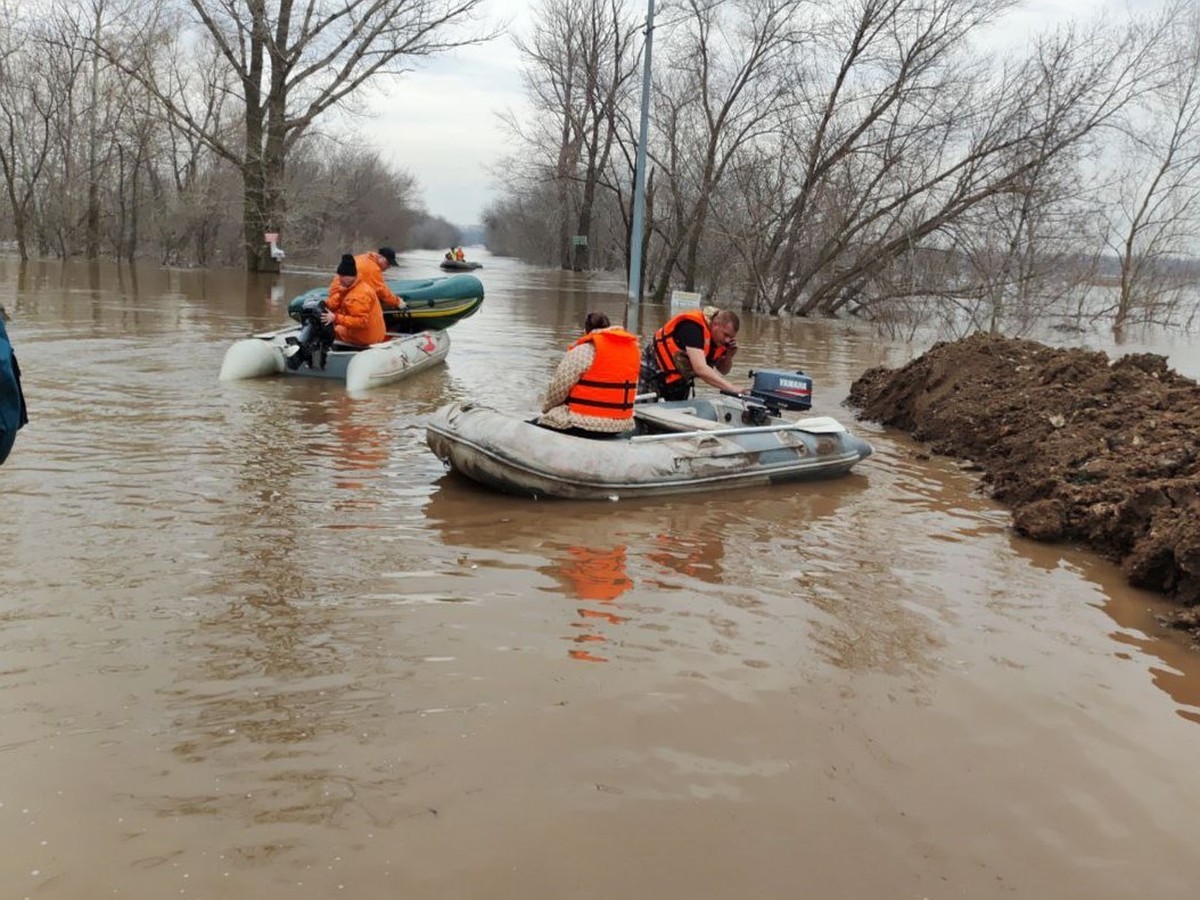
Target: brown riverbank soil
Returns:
[1084, 449]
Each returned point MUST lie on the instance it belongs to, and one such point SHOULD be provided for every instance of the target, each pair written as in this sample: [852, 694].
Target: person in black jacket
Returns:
[13, 414]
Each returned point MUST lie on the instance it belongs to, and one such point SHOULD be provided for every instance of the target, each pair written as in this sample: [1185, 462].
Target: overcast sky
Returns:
[442, 123]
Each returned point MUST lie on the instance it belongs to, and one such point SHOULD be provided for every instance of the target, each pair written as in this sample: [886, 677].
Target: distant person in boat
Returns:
[13, 414]
[459, 256]
[450, 255]
[353, 309]
[371, 266]
[694, 344]
[591, 392]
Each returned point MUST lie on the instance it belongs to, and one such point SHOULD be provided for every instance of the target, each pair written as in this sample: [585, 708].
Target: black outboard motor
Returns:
[314, 340]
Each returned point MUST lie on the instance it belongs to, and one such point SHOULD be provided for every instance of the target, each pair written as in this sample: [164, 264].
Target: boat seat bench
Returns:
[674, 419]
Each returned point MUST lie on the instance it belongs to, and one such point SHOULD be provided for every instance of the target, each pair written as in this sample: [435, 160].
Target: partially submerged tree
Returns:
[346, 196]
[870, 156]
[728, 88]
[577, 67]
[939, 139]
[29, 109]
[1156, 223]
[286, 63]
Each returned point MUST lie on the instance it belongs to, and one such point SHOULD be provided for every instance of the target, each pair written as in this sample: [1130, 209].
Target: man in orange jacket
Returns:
[353, 309]
[591, 392]
[371, 266]
[694, 344]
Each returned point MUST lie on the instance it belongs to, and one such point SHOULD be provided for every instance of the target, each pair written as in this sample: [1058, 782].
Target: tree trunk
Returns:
[581, 255]
[92, 227]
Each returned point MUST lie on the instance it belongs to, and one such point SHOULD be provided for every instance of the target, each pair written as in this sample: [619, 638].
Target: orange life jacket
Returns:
[607, 388]
[669, 354]
[359, 315]
[370, 272]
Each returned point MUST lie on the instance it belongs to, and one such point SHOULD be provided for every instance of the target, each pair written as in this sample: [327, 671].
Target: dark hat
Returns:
[347, 266]
[389, 254]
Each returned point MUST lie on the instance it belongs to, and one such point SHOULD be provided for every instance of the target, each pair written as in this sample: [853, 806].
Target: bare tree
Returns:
[346, 196]
[1157, 221]
[109, 132]
[610, 65]
[938, 138]
[578, 64]
[886, 90]
[725, 90]
[194, 200]
[521, 224]
[872, 157]
[29, 110]
[1022, 253]
[291, 62]
[550, 140]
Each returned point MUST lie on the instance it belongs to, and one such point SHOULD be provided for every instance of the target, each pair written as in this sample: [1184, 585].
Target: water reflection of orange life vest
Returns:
[693, 555]
[597, 575]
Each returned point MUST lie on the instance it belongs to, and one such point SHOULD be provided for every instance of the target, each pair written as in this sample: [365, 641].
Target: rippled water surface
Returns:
[255, 642]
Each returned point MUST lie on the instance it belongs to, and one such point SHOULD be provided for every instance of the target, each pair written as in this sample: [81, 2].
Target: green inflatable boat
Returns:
[433, 303]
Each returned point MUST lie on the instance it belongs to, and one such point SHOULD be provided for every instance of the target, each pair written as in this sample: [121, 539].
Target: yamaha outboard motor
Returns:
[782, 390]
[312, 343]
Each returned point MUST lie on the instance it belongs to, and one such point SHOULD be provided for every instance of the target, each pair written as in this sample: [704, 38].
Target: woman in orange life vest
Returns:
[591, 392]
[694, 344]
[371, 266]
[353, 310]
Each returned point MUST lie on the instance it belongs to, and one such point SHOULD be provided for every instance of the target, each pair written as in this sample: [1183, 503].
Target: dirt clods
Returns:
[1083, 449]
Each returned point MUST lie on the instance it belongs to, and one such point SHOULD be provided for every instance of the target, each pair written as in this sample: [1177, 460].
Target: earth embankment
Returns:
[1101, 453]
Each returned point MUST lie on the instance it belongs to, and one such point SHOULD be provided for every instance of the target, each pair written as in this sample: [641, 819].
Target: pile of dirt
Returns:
[1099, 453]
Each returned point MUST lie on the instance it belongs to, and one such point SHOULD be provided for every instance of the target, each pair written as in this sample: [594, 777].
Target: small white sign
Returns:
[685, 299]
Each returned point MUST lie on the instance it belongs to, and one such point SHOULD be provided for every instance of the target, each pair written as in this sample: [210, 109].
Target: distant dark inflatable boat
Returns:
[459, 265]
[13, 414]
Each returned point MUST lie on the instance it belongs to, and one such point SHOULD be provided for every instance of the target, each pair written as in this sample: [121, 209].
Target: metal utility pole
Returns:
[639, 171]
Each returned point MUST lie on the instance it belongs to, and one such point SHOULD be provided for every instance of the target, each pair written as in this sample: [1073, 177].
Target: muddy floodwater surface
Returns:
[256, 642]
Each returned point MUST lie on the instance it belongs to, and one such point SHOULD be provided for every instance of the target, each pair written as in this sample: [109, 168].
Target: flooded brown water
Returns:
[254, 642]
